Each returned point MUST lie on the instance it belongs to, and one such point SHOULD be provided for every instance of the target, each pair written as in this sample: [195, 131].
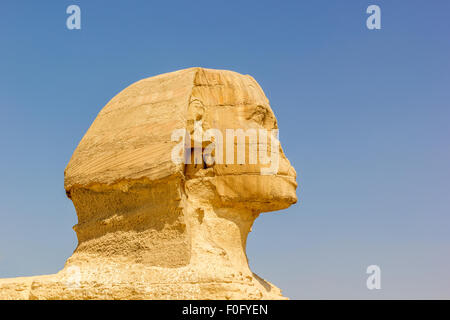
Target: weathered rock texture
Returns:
[152, 229]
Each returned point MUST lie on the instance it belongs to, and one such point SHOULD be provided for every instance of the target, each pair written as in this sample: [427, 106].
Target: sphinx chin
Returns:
[257, 192]
[150, 228]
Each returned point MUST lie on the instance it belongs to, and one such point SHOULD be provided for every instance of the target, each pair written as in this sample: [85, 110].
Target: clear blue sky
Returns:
[364, 118]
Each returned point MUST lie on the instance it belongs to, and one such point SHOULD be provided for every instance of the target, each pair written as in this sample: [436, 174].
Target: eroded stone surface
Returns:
[149, 228]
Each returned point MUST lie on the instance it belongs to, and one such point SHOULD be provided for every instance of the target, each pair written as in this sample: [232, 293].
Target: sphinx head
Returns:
[172, 158]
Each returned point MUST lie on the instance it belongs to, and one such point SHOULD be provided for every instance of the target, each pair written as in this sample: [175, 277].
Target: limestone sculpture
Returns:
[150, 227]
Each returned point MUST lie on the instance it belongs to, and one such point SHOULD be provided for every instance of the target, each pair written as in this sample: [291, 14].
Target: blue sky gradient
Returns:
[363, 116]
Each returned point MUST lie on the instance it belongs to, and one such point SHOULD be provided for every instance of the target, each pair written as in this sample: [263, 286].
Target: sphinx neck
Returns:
[218, 236]
[142, 227]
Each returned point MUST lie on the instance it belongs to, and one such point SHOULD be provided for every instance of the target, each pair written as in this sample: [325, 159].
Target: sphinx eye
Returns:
[264, 117]
[258, 115]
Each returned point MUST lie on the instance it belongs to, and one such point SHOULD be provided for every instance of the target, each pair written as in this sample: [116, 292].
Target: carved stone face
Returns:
[223, 101]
